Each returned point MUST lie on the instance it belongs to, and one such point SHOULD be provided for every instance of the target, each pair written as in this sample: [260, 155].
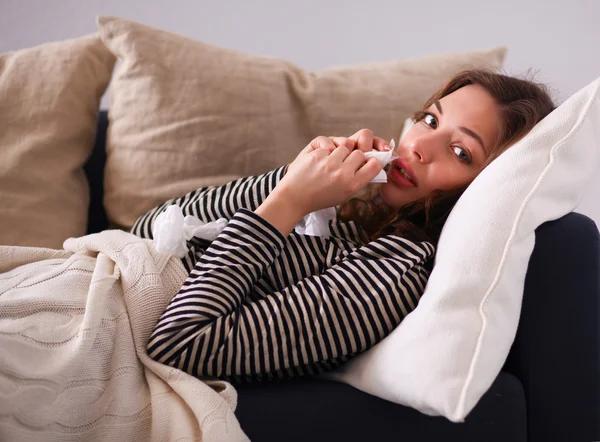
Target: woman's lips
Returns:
[399, 177]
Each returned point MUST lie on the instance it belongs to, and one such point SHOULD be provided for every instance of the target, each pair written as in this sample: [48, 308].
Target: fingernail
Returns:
[386, 147]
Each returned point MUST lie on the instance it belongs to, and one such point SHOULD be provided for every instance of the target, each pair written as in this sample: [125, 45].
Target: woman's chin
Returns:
[392, 195]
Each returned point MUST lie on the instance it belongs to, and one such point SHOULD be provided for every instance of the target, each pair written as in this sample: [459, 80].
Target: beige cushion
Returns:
[185, 114]
[49, 99]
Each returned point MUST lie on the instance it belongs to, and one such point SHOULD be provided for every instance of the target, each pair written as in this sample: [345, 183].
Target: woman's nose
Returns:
[425, 147]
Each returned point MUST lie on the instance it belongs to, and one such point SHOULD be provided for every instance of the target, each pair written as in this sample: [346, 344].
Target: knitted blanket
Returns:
[74, 325]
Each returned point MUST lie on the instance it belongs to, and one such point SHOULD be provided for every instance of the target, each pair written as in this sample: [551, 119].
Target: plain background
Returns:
[558, 41]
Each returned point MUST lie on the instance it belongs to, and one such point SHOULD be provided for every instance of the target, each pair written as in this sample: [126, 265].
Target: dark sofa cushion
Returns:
[556, 353]
[315, 410]
[94, 171]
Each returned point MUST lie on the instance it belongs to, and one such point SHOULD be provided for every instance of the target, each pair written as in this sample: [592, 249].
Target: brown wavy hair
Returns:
[522, 102]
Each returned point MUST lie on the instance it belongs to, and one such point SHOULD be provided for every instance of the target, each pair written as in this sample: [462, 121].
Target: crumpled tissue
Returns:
[384, 158]
[172, 230]
[317, 223]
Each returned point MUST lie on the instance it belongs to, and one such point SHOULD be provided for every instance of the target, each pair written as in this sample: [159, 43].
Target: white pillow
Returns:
[408, 123]
[445, 355]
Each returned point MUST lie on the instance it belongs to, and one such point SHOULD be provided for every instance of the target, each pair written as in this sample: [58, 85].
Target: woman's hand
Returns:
[363, 140]
[322, 175]
[326, 176]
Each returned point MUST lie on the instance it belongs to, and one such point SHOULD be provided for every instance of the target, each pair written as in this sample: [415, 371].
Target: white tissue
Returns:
[317, 223]
[172, 230]
[383, 158]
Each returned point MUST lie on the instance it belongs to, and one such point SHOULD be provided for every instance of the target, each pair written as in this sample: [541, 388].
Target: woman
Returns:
[263, 302]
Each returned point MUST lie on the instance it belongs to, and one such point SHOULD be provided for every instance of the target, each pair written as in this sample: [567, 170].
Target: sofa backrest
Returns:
[94, 171]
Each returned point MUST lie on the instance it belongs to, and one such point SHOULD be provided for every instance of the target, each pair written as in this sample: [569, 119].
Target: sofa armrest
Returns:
[556, 353]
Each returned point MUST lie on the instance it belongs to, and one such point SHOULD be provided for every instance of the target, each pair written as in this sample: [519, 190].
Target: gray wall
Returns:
[560, 40]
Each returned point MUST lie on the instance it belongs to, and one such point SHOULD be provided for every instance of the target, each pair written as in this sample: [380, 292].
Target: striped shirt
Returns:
[260, 306]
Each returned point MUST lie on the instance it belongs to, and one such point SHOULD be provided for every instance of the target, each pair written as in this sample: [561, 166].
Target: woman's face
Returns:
[445, 149]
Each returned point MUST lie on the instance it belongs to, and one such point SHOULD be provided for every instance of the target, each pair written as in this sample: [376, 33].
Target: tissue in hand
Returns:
[172, 230]
[317, 223]
[383, 158]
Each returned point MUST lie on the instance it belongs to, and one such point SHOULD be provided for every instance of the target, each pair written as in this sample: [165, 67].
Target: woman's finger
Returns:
[367, 172]
[321, 142]
[355, 160]
[364, 140]
[339, 154]
[381, 145]
[343, 141]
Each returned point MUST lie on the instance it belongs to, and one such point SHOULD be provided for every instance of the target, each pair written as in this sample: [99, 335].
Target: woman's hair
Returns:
[522, 103]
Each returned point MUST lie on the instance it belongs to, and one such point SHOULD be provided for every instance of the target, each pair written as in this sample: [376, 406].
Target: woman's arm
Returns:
[210, 328]
[210, 203]
[214, 202]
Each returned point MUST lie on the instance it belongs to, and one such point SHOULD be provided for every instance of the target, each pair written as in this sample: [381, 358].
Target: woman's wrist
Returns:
[280, 211]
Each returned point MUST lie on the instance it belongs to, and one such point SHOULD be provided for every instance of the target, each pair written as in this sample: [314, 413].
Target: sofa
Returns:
[548, 389]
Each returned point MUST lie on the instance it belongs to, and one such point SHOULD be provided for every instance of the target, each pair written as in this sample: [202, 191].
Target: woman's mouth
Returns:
[402, 174]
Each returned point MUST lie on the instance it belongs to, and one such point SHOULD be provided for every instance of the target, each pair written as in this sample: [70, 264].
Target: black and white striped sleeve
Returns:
[211, 329]
[214, 202]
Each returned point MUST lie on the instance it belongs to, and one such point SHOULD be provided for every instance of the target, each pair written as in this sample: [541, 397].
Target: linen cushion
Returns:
[49, 99]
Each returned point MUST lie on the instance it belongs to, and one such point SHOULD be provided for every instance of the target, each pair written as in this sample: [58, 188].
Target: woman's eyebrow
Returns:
[462, 128]
[473, 135]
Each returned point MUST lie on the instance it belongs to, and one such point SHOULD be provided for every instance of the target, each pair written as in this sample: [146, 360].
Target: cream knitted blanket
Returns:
[74, 325]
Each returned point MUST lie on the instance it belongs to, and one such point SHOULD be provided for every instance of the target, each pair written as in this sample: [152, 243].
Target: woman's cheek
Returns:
[454, 179]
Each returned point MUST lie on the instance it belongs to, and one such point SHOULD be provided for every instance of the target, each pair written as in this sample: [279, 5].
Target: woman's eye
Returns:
[462, 154]
[430, 121]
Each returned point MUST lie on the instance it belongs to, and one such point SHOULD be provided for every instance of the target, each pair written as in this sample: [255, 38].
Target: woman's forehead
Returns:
[470, 99]
[471, 104]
